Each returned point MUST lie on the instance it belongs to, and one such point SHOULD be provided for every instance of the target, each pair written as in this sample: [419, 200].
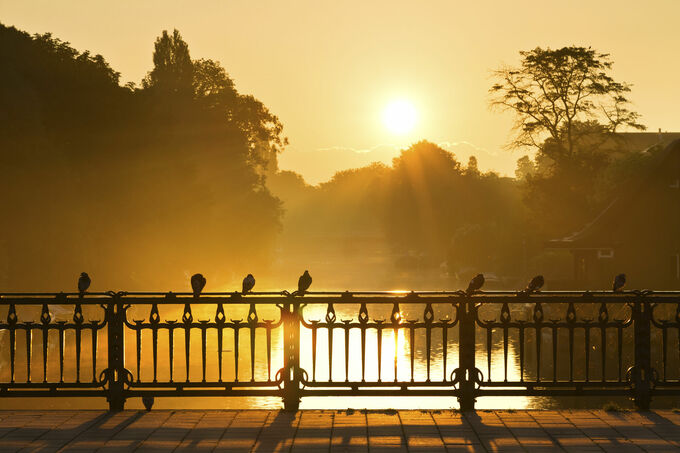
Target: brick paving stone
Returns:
[465, 448]
[350, 433]
[339, 431]
[421, 431]
[456, 431]
[243, 431]
[314, 431]
[131, 436]
[384, 430]
[206, 433]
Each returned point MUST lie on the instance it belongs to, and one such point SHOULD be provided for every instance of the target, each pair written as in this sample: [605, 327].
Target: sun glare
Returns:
[399, 117]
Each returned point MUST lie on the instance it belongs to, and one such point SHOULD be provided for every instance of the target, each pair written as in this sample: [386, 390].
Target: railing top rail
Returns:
[354, 297]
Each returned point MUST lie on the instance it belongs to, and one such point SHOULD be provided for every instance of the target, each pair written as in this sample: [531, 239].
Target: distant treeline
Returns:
[143, 185]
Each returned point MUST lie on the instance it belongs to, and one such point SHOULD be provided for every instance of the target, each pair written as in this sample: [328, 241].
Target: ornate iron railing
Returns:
[341, 344]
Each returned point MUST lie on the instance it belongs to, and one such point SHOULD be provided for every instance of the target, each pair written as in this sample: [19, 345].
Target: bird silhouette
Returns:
[304, 282]
[147, 401]
[197, 283]
[619, 283]
[475, 284]
[535, 284]
[83, 283]
[248, 283]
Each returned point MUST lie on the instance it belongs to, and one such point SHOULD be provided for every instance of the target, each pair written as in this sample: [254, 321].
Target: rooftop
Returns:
[598, 233]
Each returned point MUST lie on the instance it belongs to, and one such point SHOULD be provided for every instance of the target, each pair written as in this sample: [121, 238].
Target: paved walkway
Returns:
[339, 431]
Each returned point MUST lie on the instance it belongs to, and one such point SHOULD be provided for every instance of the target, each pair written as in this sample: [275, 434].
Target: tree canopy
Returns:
[138, 186]
[567, 106]
[566, 95]
[143, 185]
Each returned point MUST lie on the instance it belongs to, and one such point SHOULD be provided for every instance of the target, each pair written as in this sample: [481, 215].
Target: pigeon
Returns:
[147, 401]
[304, 283]
[248, 283]
[83, 283]
[619, 283]
[535, 284]
[197, 283]
[475, 284]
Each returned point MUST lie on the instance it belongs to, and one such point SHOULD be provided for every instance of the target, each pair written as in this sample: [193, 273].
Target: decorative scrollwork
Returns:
[12, 315]
[107, 376]
[538, 312]
[154, 316]
[460, 375]
[538, 321]
[603, 314]
[303, 376]
[571, 313]
[220, 317]
[252, 315]
[505, 313]
[127, 377]
[78, 314]
[330, 314]
[634, 377]
[187, 317]
[428, 314]
[363, 314]
[395, 317]
[45, 316]
[104, 377]
[278, 378]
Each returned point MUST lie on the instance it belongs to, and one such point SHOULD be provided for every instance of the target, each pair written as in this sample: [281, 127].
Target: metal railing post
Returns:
[642, 373]
[116, 371]
[467, 372]
[291, 346]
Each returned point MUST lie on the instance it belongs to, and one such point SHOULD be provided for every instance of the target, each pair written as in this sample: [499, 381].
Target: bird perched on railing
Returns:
[197, 283]
[248, 283]
[304, 282]
[535, 284]
[83, 283]
[619, 283]
[475, 284]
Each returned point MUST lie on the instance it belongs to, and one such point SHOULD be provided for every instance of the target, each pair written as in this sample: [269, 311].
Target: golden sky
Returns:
[329, 69]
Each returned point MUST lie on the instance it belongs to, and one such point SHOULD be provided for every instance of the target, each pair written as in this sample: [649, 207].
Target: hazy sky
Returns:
[328, 69]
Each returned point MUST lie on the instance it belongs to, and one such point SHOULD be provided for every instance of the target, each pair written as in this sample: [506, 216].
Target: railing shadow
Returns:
[266, 431]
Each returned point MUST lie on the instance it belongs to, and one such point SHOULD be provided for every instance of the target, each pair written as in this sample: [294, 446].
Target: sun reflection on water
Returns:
[395, 355]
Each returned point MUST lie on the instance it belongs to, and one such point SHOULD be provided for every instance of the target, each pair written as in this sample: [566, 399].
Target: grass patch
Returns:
[612, 407]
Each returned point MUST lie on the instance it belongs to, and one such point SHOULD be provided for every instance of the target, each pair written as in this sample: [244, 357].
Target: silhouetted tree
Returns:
[565, 94]
[472, 168]
[525, 168]
[435, 209]
[173, 70]
[263, 130]
[567, 106]
[138, 186]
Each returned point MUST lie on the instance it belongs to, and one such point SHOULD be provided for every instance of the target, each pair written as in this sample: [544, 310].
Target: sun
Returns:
[400, 116]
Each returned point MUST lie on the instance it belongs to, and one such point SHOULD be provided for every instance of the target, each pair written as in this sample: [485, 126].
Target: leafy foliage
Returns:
[565, 94]
[430, 212]
[567, 107]
[169, 177]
